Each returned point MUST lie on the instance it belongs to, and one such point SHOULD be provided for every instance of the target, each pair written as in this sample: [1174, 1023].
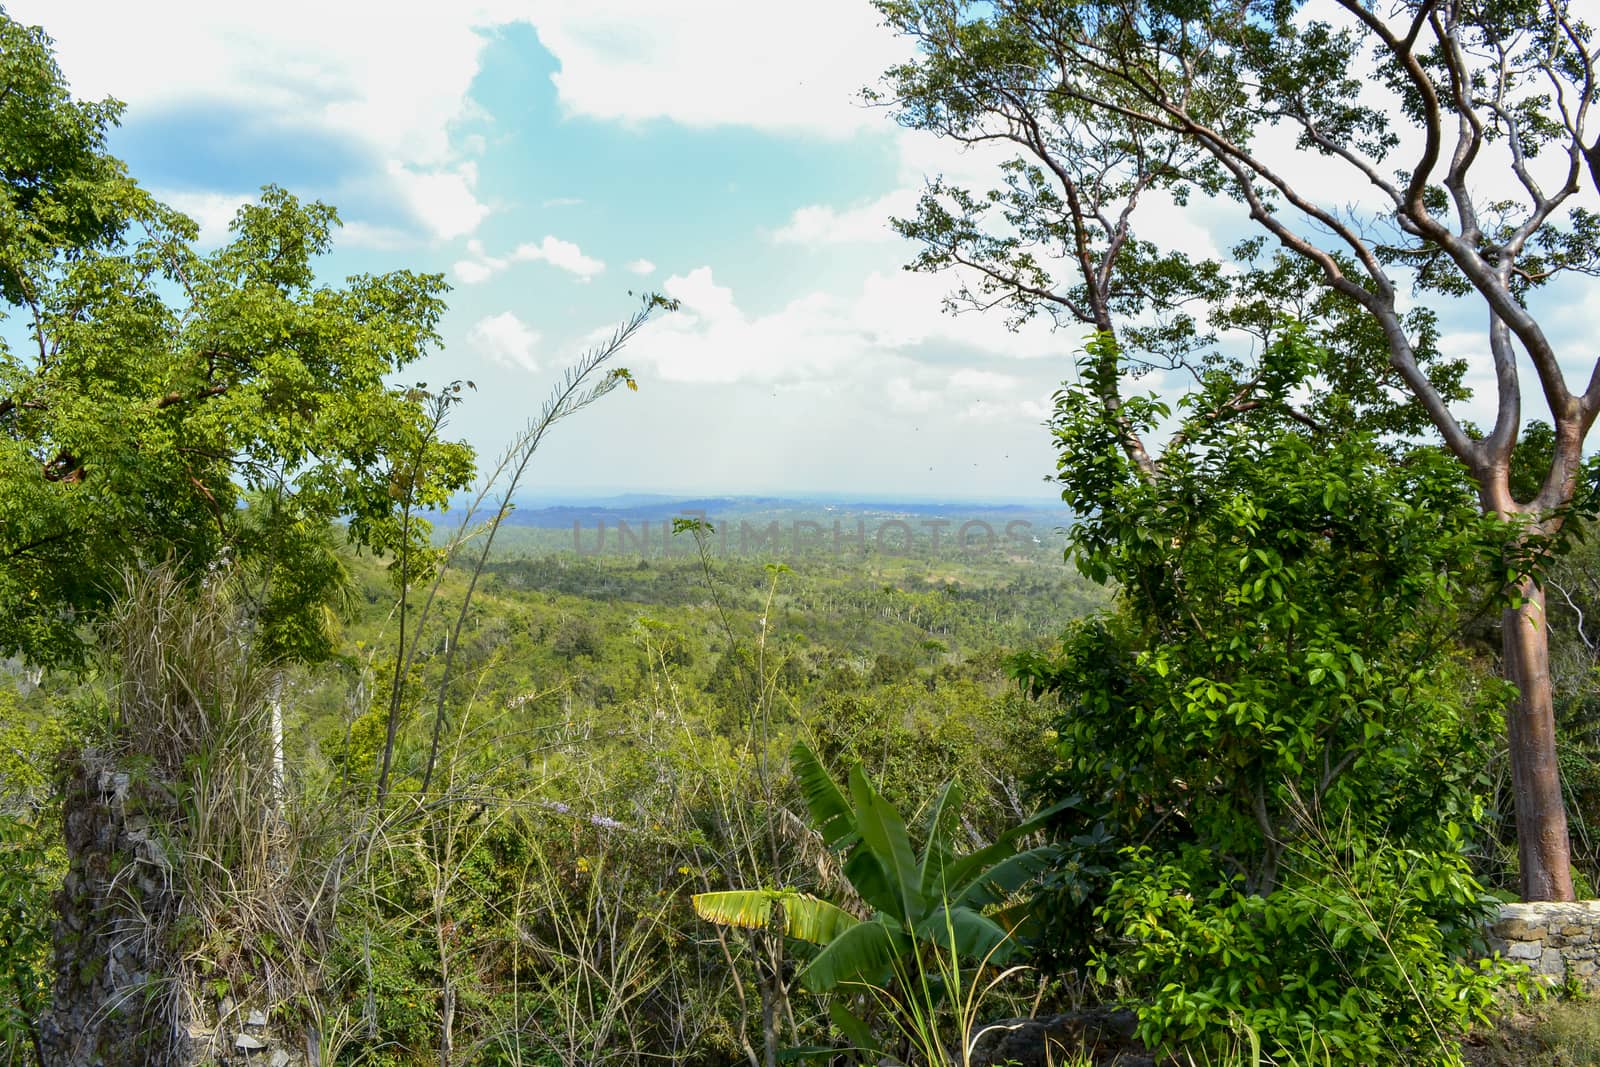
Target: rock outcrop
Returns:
[118, 999]
[1105, 1034]
[115, 999]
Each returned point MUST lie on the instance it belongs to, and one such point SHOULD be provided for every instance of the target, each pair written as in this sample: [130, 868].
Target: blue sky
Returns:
[549, 156]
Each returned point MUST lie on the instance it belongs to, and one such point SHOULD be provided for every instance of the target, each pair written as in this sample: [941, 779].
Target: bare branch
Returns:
[1508, 394]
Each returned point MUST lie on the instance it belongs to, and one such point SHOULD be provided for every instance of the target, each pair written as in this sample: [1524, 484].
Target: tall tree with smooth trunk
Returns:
[1414, 160]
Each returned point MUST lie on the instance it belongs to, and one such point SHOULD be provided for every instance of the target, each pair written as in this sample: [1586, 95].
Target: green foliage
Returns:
[912, 737]
[1359, 956]
[1282, 660]
[1289, 606]
[158, 397]
[918, 899]
[36, 731]
[575, 637]
[1105, 106]
[190, 442]
[31, 865]
[58, 187]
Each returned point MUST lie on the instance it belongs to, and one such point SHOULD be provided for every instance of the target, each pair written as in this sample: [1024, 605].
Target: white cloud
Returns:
[213, 212]
[395, 83]
[563, 254]
[876, 336]
[505, 339]
[905, 396]
[903, 310]
[553, 250]
[718, 62]
[819, 224]
[974, 380]
[712, 340]
[969, 394]
[563, 201]
[389, 83]
[472, 271]
[642, 266]
[359, 234]
[388, 79]
[702, 296]
[443, 200]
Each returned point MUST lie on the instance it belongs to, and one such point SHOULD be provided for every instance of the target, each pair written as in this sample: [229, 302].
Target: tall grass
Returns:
[194, 721]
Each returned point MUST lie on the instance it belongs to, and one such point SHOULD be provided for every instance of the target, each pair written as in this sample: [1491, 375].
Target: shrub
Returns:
[1360, 958]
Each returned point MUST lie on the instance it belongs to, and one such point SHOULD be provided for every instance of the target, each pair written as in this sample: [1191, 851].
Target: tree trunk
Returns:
[772, 993]
[276, 701]
[1542, 843]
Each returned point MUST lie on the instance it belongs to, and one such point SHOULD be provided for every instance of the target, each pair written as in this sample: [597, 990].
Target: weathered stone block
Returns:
[1555, 940]
[1517, 929]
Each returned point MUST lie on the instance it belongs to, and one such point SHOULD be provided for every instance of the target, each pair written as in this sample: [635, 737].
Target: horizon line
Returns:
[531, 496]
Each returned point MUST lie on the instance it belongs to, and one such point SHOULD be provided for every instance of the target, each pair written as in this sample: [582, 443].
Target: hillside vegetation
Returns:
[323, 743]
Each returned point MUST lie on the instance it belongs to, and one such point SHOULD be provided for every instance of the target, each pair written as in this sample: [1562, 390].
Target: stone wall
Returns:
[1555, 940]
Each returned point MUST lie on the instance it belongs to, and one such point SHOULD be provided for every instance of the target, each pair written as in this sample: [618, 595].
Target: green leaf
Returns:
[865, 872]
[969, 934]
[936, 853]
[884, 833]
[864, 952]
[995, 884]
[853, 1027]
[963, 869]
[808, 918]
[829, 810]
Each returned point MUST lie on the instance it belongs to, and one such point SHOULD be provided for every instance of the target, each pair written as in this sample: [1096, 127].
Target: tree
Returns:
[1290, 602]
[1149, 96]
[1277, 732]
[158, 403]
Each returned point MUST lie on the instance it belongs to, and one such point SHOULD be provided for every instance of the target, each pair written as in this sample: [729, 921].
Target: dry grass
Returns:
[188, 686]
[1558, 1034]
[253, 896]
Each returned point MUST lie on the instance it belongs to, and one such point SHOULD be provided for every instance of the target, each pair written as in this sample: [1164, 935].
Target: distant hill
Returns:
[639, 507]
[641, 524]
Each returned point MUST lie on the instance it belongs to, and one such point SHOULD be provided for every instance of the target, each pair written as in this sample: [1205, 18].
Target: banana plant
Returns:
[928, 899]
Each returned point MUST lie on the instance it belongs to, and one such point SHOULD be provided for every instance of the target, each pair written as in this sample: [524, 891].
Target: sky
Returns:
[554, 159]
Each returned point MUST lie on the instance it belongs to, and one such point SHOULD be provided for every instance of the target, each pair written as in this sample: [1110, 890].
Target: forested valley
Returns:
[1269, 735]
